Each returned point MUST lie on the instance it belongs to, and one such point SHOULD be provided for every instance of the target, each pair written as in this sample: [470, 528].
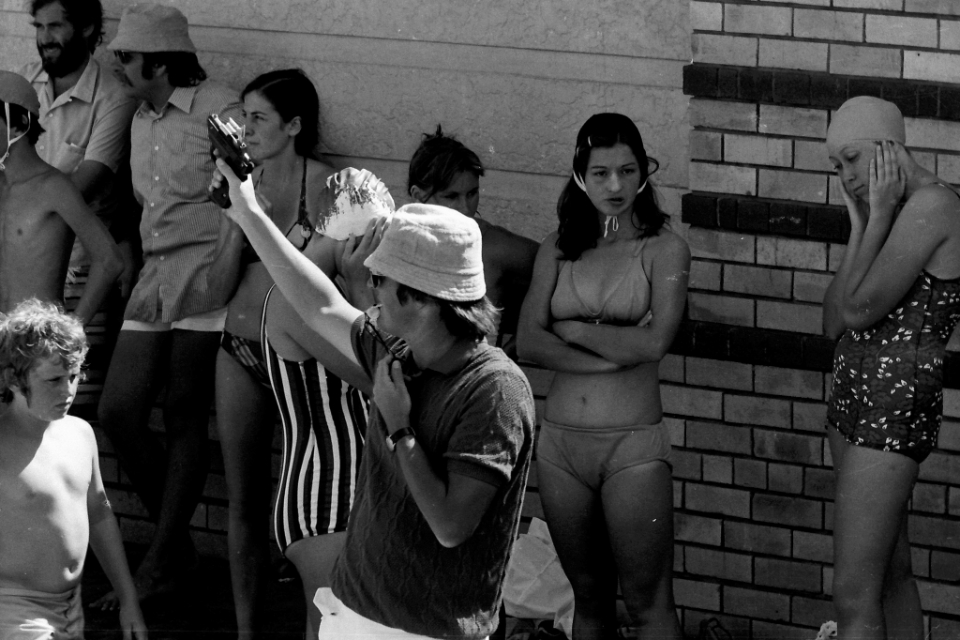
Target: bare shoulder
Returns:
[55, 186]
[73, 428]
[669, 245]
[549, 246]
[318, 171]
[935, 201]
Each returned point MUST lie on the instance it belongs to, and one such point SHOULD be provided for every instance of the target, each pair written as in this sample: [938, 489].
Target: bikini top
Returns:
[248, 255]
[608, 286]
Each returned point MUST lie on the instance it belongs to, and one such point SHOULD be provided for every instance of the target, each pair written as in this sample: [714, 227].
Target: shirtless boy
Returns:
[51, 493]
[41, 212]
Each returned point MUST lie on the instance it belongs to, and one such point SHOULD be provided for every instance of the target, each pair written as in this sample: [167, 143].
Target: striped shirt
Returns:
[172, 166]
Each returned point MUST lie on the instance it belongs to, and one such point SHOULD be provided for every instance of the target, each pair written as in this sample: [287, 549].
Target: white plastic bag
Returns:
[535, 586]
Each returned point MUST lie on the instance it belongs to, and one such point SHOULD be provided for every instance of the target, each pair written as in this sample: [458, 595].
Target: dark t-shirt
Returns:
[478, 422]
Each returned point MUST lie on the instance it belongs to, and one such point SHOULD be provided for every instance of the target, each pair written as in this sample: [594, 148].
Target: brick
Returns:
[810, 287]
[792, 121]
[939, 7]
[865, 87]
[719, 245]
[949, 105]
[784, 478]
[828, 25]
[750, 473]
[677, 430]
[756, 85]
[724, 49]
[949, 436]
[948, 167]
[788, 511]
[953, 501]
[706, 145]
[911, 32]
[700, 80]
[687, 465]
[718, 469]
[773, 283]
[766, 150]
[938, 596]
[753, 216]
[819, 483]
[942, 629]
[812, 546]
[756, 538]
[756, 604]
[811, 155]
[927, 65]
[951, 403]
[865, 61]
[801, 318]
[696, 594]
[788, 218]
[754, 18]
[784, 349]
[888, 5]
[935, 532]
[949, 34]
[902, 95]
[699, 210]
[928, 101]
[791, 87]
[756, 410]
[789, 447]
[727, 212]
[720, 178]
[738, 627]
[930, 498]
[693, 528]
[792, 185]
[718, 373]
[812, 611]
[718, 564]
[706, 16]
[789, 382]
[705, 275]
[827, 91]
[792, 54]
[786, 574]
[687, 401]
[761, 630]
[828, 223]
[718, 437]
[711, 340]
[723, 309]
[796, 254]
[945, 566]
[710, 499]
[713, 114]
[940, 467]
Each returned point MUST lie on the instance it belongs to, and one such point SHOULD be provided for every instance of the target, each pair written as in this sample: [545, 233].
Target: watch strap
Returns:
[399, 435]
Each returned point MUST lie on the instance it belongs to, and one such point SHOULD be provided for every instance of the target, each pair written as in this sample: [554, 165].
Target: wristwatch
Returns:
[398, 435]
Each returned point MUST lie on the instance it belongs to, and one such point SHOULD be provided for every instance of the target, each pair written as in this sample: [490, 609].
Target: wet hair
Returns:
[32, 332]
[437, 162]
[579, 221]
[293, 95]
[81, 14]
[473, 320]
[183, 67]
[18, 120]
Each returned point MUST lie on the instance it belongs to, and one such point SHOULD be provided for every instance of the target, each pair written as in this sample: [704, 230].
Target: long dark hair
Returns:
[579, 223]
[292, 94]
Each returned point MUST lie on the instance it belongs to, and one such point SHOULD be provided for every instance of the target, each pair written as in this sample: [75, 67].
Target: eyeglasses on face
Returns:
[123, 56]
[376, 280]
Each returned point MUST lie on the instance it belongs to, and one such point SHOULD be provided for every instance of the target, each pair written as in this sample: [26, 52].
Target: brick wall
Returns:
[749, 376]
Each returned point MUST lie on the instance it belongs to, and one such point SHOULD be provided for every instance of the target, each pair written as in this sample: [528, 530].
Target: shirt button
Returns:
[152, 204]
[156, 178]
[156, 148]
[157, 235]
[161, 258]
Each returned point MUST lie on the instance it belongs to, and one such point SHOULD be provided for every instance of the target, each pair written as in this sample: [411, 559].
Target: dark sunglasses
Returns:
[397, 352]
[376, 280]
[123, 56]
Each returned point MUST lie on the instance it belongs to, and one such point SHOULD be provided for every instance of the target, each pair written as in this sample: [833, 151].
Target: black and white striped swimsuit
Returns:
[324, 421]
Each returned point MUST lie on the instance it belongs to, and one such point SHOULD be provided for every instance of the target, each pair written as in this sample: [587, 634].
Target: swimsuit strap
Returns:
[303, 217]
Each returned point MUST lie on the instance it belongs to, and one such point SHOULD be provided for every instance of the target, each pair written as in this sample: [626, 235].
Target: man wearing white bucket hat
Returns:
[450, 434]
[173, 321]
[40, 213]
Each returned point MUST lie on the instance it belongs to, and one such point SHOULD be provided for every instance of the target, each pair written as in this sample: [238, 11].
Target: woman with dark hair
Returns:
[443, 171]
[893, 305]
[281, 109]
[608, 293]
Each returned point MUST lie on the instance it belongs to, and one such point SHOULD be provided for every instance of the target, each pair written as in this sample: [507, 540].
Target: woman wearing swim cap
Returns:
[893, 304]
[608, 293]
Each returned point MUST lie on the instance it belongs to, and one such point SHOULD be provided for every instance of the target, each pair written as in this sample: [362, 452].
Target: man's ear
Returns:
[418, 194]
[88, 32]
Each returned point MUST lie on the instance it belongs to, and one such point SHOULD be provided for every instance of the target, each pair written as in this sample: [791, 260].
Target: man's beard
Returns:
[65, 59]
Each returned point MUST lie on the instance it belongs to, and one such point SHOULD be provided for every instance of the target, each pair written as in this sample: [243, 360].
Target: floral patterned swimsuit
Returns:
[888, 379]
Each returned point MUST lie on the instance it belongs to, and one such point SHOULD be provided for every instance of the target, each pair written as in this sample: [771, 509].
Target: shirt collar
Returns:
[181, 98]
[86, 86]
